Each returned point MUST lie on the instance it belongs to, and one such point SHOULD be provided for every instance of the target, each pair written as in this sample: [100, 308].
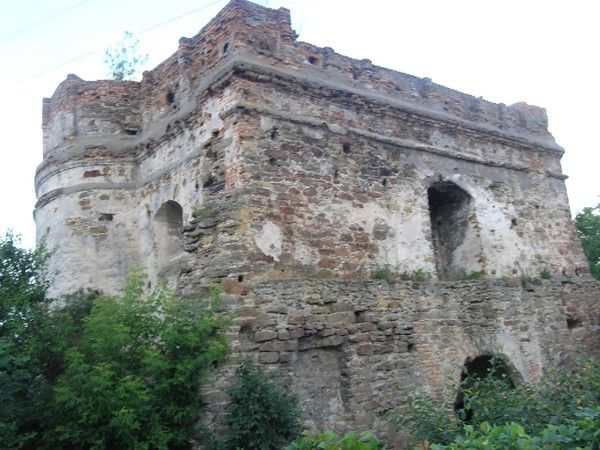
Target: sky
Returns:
[543, 52]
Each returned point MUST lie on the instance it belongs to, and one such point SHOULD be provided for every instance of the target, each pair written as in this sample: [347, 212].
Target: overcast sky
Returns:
[542, 52]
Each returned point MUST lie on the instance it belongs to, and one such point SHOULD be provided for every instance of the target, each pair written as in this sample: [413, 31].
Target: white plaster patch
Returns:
[269, 240]
[406, 247]
[528, 361]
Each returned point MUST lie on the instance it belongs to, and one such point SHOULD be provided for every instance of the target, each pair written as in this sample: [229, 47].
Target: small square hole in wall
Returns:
[313, 60]
[170, 97]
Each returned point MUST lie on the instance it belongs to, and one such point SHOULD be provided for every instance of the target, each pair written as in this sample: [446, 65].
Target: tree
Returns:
[124, 59]
[587, 224]
[259, 414]
[101, 372]
[32, 343]
[132, 380]
[22, 294]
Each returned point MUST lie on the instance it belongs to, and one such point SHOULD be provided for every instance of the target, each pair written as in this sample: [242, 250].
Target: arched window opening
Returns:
[482, 372]
[168, 231]
[455, 241]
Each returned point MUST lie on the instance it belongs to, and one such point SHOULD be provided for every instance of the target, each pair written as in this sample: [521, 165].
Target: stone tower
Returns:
[295, 175]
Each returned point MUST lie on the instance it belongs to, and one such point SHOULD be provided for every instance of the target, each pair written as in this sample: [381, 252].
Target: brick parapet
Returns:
[265, 36]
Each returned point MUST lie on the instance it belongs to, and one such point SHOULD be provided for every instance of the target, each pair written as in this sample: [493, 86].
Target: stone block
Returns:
[268, 357]
[265, 335]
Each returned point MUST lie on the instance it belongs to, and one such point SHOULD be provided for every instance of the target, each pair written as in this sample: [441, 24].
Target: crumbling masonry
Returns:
[293, 174]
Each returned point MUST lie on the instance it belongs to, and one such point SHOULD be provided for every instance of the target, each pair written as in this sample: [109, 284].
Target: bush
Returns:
[24, 328]
[426, 421]
[583, 432]
[511, 436]
[259, 414]
[331, 441]
[131, 380]
[560, 411]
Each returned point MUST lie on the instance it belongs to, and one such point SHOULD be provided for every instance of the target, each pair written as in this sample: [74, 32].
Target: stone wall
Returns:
[350, 349]
[330, 162]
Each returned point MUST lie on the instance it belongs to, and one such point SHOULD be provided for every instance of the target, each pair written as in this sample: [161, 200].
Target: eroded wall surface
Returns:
[353, 350]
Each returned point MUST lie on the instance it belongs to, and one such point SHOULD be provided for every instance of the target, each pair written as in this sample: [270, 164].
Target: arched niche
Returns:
[456, 241]
[168, 231]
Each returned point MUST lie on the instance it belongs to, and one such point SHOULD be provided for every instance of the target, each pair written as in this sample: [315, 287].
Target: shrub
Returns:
[486, 437]
[425, 420]
[473, 276]
[131, 380]
[387, 274]
[207, 210]
[331, 441]
[259, 414]
[560, 411]
[383, 273]
[581, 432]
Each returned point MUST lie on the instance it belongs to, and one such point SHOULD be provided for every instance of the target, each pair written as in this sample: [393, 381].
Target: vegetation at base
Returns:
[332, 441]
[108, 372]
[260, 415]
[561, 411]
[582, 432]
[131, 381]
[25, 368]
[587, 224]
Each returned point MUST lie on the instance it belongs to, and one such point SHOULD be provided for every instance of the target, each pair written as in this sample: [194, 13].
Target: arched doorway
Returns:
[456, 242]
[168, 231]
[475, 373]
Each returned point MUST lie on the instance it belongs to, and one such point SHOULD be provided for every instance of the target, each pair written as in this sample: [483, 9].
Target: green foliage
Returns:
[494, 399]
[22, 320]
[561, 411]
[587, 224]
[528, 282]
[417, 275]
[473, 276]
[124, 60]
[331, 441]
[131, 380]
[385, 273]
[208, 209]
[558, 395]
[103, 372]
[259, 415]
[581, 432]
[545, 274]
[33, 340]
[425, 420]
[511, 436]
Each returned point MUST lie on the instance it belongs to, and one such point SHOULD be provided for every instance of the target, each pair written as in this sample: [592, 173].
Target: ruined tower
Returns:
[295, 175]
